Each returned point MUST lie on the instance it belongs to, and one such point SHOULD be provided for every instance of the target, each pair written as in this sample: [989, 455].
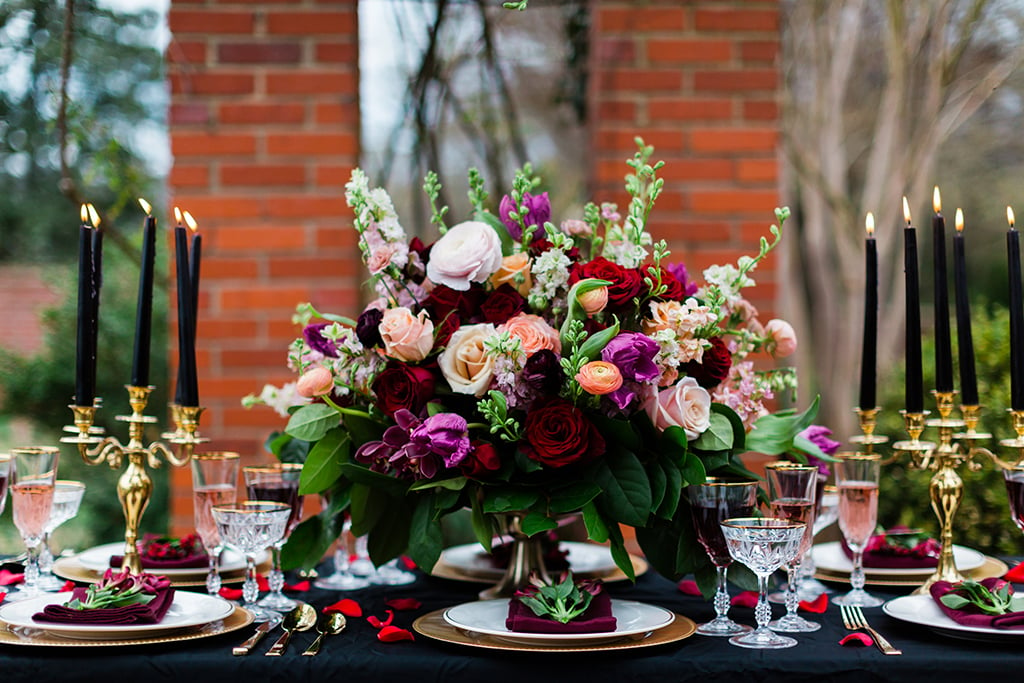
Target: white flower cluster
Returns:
[550, 272]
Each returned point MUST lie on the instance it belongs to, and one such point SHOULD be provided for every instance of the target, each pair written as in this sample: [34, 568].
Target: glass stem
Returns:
[857, 579]
[45, 556]
[763, 611]
[213, 575]
[722, 592]
[807, 567]
[250, 589]
[32, 568]
[792, 587]
[275, 580]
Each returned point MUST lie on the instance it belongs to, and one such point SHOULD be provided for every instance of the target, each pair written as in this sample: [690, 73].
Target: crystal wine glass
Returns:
[67, 497]
[763, 544]
[342, 579]
[214, 476]
[1014, 489]
[251, 527]
[857, 480]
[35, 473]
[826, 512]
[278, 483]
[711, 503]
[792, 490]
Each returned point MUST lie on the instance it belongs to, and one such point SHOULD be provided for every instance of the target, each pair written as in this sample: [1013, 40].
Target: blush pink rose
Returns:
[685, 404]
[406, 337]
[781, 336]
[599, 377]
[534, 333]
[465, 362]
[468, 252]
[316, 381]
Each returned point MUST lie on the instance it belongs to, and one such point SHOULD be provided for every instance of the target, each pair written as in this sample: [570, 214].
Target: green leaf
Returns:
[452, 484]
[537, 522]
[390, 536]
[425, 538]
[621, 432]
[507, 499]
[482, 527]
[739, 430]
[659, 482]
[591, 347]
[693, 470]
[619, 553]
[626, 490]
[597, 529]
[311, 422]
[576, 311]
[364, 475]
[525, 463]
[573, 497]
[362, 428]
[774, 434]
[507, 244]
[673, 491]
[706, 577]
[323, 464]
[718, 436]
[955, 601]
[367, 506]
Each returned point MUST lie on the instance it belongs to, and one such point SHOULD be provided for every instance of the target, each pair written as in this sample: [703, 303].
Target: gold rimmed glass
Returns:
[32, 486]
[67, 498]
[857, 480]
[278, 483]
[792, 491]
[214, 480]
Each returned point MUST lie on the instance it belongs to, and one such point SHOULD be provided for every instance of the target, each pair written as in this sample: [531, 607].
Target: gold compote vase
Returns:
[526, 557]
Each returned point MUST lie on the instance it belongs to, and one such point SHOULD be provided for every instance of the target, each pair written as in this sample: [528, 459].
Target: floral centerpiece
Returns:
[518, 365]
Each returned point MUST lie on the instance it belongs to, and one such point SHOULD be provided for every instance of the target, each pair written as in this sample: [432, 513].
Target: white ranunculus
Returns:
[685, 404]
[465, 362]
[468, 252]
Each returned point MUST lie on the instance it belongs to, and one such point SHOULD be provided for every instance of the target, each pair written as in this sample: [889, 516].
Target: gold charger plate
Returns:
[434, 626]
[238, 619]
[992, 567]
[71, 568]
[447, 571]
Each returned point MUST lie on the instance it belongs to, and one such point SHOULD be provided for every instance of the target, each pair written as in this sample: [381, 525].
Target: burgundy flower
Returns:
[367, 327]
[715, 366]
[557, 434]
[502, 304]
[313, 334]
[481, 461]
[676, 290]
[443, 300]
[446, 435]
[403, 386]
[626, 282]
[538, 212]
[543, 373]
[444, 329]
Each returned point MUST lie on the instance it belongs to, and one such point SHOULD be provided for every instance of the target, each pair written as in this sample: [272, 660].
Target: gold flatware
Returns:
[853, 619]
[301, 618]
[327, 625]
[261, 630]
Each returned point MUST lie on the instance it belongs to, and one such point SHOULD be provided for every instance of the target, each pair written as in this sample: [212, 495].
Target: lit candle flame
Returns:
[177, 215]
[145, 206]
[1009, 216]
[94, 215]
[869, 224]
[959, 220]
[906, 210]
[84, 213]
[936, 200]
[189, 221]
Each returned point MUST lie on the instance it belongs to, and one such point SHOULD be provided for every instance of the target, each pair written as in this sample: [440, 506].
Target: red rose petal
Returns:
[818, 605]
[68, 586]
[689, 587]
[392, 634]
[407, 562]
[857, 638]
[745, 599]
[377, 623]
[1016, 575]
[403, 604]
[347, 606]
[9, 578]
[262, 584]
[230, 593]
[2, 596]
[299, 587]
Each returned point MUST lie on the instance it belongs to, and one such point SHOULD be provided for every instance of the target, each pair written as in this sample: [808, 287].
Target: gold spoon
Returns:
[326, 625]
[301, 618]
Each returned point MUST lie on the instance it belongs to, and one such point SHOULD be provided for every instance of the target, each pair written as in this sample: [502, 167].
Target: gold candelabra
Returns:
[959, 442]
[134, 486]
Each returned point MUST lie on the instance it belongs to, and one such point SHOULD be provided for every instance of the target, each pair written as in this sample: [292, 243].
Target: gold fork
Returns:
[853, 619]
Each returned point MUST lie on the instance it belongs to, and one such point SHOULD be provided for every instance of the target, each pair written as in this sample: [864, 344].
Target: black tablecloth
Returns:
[356, 656]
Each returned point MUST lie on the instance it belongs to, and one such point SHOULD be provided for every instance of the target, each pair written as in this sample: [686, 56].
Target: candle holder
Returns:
[135, 486]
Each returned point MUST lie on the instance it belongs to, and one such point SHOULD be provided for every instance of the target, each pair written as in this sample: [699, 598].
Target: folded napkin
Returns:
[596, 619]
[164, 552]
[150, 613]
[198, 560]
[888, 550]
[972, 616]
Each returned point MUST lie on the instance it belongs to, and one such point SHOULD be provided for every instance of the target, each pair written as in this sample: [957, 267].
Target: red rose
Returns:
[558, 434]
[675, 290]
[443, 300]
[710, 372]
[403, 386]
[444, 329]
[502, 304]
[481, 461]
[626, 282]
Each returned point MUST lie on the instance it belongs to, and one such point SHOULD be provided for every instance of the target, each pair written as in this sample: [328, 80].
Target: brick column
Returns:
[264, 127]
[697, 80]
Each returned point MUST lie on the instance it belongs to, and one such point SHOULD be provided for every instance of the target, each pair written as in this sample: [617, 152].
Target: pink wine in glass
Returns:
[31, 505]
[796, 510]
[4, 481]
[203, 500]
[1015, 489]
[858, 511]
[286, 492]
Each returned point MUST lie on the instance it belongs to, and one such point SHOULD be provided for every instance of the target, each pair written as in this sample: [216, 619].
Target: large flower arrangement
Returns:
[518, 365]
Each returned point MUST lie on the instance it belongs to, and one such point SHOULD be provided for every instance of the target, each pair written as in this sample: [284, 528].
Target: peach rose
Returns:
[407, 337]
[465, 362]
[317, 381]
[534, 332]
[510, 267]
[594, 301]
[685, 404]
[664, 315]
[781, 336]
[599, 377]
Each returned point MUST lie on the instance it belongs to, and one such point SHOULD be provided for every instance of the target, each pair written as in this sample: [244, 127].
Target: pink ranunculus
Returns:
[407, 337]
[594, 301]
[468, 252]
[599, 378]
[534, 332]
[782, 338]
[685, 404]
[316, 381]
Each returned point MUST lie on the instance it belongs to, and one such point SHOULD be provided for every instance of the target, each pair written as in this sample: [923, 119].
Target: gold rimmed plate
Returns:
[586, 560]
[989, 568]
[70, 568]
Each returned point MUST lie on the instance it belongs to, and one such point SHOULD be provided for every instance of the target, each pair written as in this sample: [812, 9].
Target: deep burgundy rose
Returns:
[715, 366]
[626, 282]
[481, 461]
[422, 250]
[444, 329]
[367, 327]
[313, 335]
[417, 270]
[443, 300]
[543, 373]
[558, 434]
[502, 304]
[676, 290]
[403, 386]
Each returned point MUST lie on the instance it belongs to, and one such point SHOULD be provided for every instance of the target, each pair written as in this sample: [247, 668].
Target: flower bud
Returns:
[594, 301]
[316, 381]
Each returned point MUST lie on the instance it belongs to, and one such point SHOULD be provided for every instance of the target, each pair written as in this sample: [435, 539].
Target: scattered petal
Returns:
[402, 604]
[2, 596]
[262, 583]
[347, 606]
[1016, 575]
[407, 562]
[230, 593]
[9, 578]
[745, 599]
[377, 623]
[392, 634]
[689, 587]
[299, 587]
[818, 605]
[68, 586]
[857, 638]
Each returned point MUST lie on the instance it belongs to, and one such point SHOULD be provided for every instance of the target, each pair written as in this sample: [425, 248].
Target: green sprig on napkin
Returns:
[120, 590]
[561, 602]
[969, 592]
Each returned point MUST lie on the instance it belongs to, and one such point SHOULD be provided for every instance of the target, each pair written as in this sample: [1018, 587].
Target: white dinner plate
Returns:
[97, 559]
[830, 557]
[585, 559]
[187, 611]
[487, 617]
[922, 610]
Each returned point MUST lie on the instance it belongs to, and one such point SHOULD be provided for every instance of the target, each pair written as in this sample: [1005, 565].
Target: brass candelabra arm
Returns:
[867, 439]
[93, 448]
[921, 452]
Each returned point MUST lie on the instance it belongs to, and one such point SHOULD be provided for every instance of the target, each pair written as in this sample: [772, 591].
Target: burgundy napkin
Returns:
[879, 555]
[151, 613]
[971, 616]
[596, 619]
[195, 560]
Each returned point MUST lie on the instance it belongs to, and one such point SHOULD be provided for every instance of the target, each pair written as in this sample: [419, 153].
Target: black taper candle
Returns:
[1016, 316]
[914, 395]
[943, 340]
[869, 348]
[187, 389]
[964, 338]
[144, 307]
[85, 388]
[97, 280]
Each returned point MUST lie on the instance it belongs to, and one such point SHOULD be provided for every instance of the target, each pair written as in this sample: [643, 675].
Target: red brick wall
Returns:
[697, 80]
[27, 291]
[264, 125]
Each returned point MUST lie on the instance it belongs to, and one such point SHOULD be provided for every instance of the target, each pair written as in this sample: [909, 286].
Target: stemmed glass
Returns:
[857, 479]
[1014, 490]
[342, 579]
[251, 527]
[277, 483]
[791, 492]
[214, 476]
[35, 473]
[67, 497]
[763, 544]
[826, 512]
[711, 503]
